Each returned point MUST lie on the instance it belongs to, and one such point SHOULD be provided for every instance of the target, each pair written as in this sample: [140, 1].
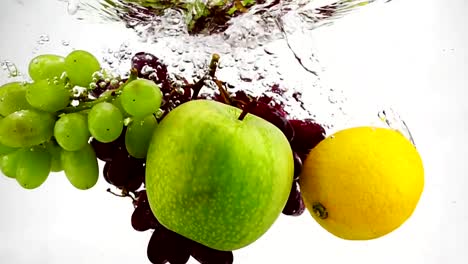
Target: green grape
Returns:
[138, 135]
[141, 97]
[26, 128]
[81, 167]
[117, 102]
[9, 163]
[80, 66]
[105, 122]
[46, 66]
[49, 96]
[71, 131]
[55, 154]
[33, 167]
[13, 98]
[5, 149]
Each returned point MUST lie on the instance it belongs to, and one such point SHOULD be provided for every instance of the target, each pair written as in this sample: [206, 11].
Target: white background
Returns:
[410, 54]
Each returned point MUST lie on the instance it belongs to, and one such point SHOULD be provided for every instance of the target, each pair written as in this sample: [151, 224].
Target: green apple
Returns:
[215, 179]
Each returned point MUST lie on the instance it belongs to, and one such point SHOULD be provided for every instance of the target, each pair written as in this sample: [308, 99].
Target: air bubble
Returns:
[73, 6]
[43, 39]
[10, 68]
[92, 86]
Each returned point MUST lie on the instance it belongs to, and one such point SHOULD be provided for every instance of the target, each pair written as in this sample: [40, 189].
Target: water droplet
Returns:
[73, 7]
[114, 82]
[65, 43]
[10, 68]
[186, 59]
[44, 38]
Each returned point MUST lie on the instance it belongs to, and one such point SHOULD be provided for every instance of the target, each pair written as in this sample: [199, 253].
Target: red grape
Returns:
[297, 166]
[307, 134]
[150, 67]
[206, 255]
[275, 117]
[104, 151]
[125, 171]
[166, 246]
[295, 205]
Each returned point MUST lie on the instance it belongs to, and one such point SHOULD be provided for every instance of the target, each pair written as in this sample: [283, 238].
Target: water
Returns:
[250, 59]
[10, 69]
[264, 45]
[267, 45]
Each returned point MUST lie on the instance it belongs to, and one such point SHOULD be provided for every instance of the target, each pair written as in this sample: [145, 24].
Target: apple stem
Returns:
[247, 108]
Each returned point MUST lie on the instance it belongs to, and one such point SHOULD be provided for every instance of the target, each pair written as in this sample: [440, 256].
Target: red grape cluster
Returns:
[128, 173]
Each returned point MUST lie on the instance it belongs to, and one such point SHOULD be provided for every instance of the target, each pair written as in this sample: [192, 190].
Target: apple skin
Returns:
[217, 180]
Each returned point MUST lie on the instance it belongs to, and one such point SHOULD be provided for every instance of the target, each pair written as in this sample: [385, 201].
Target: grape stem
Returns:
[223, 92]
[211, 73]
[124, 194]
[105, 97]
[213, 65]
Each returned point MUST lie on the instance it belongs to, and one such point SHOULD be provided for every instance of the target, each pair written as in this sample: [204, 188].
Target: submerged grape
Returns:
[80, 66]
[150, 67]
[13, 98]
[56, 156]
[49, 96]
[33, 167]
[6, 149]
[125, 171]
[307, 134]
[206, 255]
[105, 122]
[274, 116]
[81, 167]
[166, 246]
[26, 128]
[138, 135]
[9, 163]
[141, 97]
[46, 66]
[297, 165]
[143, 218]
[71, 131]
[295, 204]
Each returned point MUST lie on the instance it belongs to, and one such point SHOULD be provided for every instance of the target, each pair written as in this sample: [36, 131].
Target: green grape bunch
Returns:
[45, 126]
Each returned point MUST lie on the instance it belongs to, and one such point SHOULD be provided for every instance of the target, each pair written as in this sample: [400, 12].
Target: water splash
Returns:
[212, 16]
[394, 121]
[264, 45]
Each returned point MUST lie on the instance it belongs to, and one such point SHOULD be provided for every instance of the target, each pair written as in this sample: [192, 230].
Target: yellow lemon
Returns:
[362, 183]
